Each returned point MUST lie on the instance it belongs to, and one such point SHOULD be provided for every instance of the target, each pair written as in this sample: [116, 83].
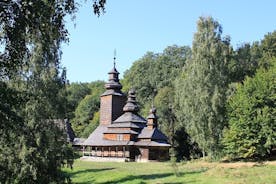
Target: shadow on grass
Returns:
[86, 182]
[144, 178]
[140, 177]
[89, 171]
[201, 170]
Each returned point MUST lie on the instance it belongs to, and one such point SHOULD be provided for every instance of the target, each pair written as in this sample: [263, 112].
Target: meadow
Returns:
[198, 172]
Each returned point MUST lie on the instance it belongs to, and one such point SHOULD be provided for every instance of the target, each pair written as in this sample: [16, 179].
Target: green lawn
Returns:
[85, 172]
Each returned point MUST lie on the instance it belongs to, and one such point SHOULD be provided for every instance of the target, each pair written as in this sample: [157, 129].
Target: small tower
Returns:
[131, 105]
[112, 100]
[152, 119]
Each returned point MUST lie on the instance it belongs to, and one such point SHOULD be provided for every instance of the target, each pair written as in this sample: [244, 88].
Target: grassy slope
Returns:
[197, 172]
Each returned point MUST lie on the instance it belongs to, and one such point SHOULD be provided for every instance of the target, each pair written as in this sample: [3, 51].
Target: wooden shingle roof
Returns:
[96, 138]
[130, 118]
[153, 134]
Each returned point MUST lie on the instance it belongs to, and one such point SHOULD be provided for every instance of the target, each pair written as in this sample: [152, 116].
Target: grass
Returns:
[85, 172]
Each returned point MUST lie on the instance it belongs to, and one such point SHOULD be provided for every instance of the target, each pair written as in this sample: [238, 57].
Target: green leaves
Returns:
[252, 112]
[200, 90]
[32, 146]
[84, 101]
[155, 71]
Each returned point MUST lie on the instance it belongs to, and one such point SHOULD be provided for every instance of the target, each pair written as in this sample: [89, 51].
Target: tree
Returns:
[268, 47]
[87, 107]
[244, 61]
[200, 89]
[40, 146]
[251, 113]
[32, 146]
[268, 44]
[153, 72]
[75, 93]
[164, 102]
[93, 124]
[84, 113]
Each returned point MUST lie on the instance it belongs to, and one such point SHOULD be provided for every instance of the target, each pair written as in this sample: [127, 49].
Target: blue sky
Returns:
[133, 27]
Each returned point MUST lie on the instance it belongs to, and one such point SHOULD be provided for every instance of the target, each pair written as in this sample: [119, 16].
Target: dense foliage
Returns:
[86, 113]
[252, 116]
[33, 145]
[190, 88]
[75, 93]
[200, 90]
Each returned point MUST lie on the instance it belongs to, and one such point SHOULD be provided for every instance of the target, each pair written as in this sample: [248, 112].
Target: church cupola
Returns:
[131, 105]
[152, 119]
[113, 99]
[113, 81]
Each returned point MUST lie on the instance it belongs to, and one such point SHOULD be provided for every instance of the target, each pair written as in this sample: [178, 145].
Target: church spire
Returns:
[114, 59]
[113, 99]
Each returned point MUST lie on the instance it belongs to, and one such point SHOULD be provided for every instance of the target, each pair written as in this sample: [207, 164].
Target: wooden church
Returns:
[123, 135]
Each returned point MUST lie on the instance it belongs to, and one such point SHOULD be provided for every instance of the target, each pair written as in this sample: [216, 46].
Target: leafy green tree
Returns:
[75, 93]
[252, 112]
[248, 58]
[92, 125]
[87, 107]
[97, 88]
[164, 102]
[244, 61]
[40, 146]
[268, 47]
[200, 90]
[32, 146]
[84, 113]
[268, 44]
[153, 72]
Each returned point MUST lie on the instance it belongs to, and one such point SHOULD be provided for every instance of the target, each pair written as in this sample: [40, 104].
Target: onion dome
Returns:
[152, 113]
[113, 86]
[113, 81]
[152, 118]
[131, 105]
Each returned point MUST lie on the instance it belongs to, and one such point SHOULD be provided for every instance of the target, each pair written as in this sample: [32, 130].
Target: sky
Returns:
[134, 27]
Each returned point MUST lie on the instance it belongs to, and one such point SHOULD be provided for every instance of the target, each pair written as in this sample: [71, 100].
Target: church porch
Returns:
[121, 152]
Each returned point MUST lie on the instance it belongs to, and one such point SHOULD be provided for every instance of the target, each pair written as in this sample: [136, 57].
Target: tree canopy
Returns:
[87, 107]
[251, 113]
[200, 90]
[33, 147]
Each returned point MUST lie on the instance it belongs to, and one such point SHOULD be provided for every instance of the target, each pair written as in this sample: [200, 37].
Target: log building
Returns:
[123, 135]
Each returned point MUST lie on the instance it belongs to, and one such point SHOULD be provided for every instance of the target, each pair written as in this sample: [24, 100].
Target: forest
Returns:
[213, 100]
